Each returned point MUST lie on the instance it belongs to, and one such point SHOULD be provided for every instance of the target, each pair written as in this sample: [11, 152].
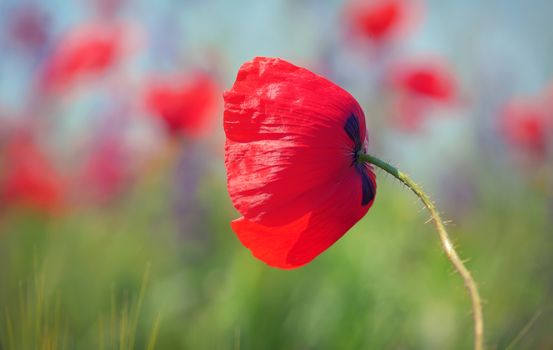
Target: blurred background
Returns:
[114, 215]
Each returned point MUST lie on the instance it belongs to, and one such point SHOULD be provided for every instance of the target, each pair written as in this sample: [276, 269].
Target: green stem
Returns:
[447, 245]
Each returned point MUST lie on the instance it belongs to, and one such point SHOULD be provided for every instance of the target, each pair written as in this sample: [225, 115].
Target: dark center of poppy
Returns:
[354, 133]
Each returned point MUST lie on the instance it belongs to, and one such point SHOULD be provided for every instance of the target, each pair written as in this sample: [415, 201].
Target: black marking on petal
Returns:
[354, 133]
[352, 129]
[367, 186]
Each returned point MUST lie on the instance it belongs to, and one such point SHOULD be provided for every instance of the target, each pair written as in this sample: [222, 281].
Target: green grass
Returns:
[126, 278]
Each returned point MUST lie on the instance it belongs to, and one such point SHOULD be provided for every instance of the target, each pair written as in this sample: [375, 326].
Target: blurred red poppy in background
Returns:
[89, 50]
[28, 179]
[105, 173]
[527, 125]
[429, 79]
[293, 139]
[380, 20]
[420, 86]
[187, 106]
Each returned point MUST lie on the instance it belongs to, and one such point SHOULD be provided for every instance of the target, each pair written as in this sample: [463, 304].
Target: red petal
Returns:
[379, 18]
[525, 124]
[382, 20]
[90, 49]
[186, 106]
[29, 179]
[286, 148]
[300, 241]
[426, 78]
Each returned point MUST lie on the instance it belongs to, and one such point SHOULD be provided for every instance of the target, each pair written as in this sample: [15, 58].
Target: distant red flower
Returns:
[526, 125]
[380, 20]
[87, 50]
[29, 179]
[427, 79]
[419, 86]
[105, 173]
[293, 140]
[186, 106]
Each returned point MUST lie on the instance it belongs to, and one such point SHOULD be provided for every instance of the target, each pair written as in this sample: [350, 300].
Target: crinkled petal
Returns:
[300, 241]
[286, 146]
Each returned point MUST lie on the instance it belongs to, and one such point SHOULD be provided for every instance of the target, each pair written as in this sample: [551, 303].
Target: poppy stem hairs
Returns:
[447, 245]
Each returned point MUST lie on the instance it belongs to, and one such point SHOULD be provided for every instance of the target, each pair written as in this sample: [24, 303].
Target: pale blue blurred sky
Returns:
[498, 48]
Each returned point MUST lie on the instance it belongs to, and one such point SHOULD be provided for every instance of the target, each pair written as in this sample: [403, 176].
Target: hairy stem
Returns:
[447, 245]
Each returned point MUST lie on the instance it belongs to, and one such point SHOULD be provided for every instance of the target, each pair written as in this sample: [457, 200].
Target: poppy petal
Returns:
[186, 105]
[286, 147]
[28, 178]
[430, 78]
[87, 50]
[524, 125]
[300, 241]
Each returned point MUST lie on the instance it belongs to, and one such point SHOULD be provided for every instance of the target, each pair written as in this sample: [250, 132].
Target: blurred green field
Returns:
[126, 277]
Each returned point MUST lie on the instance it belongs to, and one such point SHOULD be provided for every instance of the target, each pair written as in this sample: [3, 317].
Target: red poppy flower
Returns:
[526, 124]
[429, 79]
[380, 20]
[105, 173]
[88, 50]
[293, 139]
[419, 87]
[29, 179]
[186, 106]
